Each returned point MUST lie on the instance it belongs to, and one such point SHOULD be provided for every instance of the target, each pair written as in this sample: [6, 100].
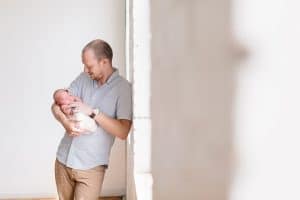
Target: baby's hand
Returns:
[77, 99]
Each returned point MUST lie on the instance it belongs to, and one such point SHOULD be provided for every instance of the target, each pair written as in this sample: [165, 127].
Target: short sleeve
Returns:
[124, 104]
[76, 86]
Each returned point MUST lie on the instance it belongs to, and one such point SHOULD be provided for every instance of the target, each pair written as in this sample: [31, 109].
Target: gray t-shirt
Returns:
[114, 99]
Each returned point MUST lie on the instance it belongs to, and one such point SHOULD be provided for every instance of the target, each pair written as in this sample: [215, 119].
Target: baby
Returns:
[63, 99]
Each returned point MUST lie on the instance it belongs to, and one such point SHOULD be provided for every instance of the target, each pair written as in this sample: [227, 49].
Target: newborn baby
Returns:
[63, 99]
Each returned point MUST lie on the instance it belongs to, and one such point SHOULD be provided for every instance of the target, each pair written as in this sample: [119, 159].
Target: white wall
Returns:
[139, 177]
[191, 99]
[267, 100]
[40, 50]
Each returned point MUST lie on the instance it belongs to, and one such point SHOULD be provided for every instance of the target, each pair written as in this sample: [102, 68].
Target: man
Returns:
[81, 159]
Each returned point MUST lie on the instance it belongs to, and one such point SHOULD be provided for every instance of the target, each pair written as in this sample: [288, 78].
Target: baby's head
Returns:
[62, 97]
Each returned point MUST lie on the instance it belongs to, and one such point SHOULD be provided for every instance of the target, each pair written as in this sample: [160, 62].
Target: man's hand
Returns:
[77, 98]
[71, 126]
[66, 109]
[81, 107]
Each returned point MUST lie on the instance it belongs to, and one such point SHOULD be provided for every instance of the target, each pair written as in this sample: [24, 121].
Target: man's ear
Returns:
[104, 61]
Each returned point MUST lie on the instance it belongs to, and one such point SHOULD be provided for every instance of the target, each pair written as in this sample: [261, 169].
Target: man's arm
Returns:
[69, 125]
[118, 127]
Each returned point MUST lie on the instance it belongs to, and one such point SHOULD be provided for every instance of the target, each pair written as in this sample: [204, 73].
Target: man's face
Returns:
[92, 66]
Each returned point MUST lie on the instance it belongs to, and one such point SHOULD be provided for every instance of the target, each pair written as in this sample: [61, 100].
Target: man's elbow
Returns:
[124, 135]
[125, 129]
[53, 109]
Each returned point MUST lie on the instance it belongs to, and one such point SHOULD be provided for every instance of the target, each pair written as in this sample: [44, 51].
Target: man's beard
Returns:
[92, 76]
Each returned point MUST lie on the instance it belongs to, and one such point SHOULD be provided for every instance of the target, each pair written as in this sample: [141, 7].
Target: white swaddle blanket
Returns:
[85, 122]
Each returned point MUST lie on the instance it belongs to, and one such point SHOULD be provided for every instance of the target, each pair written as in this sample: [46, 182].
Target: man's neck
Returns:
[106, 75]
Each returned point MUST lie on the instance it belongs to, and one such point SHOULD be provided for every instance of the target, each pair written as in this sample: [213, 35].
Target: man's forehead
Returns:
[89, 56]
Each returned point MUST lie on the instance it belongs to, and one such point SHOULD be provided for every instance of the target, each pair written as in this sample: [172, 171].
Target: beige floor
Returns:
[101, 198]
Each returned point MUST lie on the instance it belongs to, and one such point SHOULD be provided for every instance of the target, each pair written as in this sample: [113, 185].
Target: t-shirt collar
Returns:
[113, 76]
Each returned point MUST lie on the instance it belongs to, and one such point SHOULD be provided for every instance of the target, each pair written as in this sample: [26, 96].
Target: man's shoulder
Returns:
[82, 78]
[124, 83]
[83, 75]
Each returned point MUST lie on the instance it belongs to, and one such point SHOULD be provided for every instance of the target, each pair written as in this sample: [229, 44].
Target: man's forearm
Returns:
[58, 114]
[117, 127]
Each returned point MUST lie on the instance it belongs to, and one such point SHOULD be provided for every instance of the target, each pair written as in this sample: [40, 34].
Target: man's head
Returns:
[62, 97]
[97, 58]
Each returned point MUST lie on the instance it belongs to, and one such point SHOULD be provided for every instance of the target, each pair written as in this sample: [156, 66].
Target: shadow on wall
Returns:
[192, 90]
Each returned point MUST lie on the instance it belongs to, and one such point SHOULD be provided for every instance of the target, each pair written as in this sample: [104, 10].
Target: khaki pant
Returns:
[78, 184]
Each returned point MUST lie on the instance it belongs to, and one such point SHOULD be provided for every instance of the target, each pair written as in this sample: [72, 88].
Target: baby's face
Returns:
[63, 98]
